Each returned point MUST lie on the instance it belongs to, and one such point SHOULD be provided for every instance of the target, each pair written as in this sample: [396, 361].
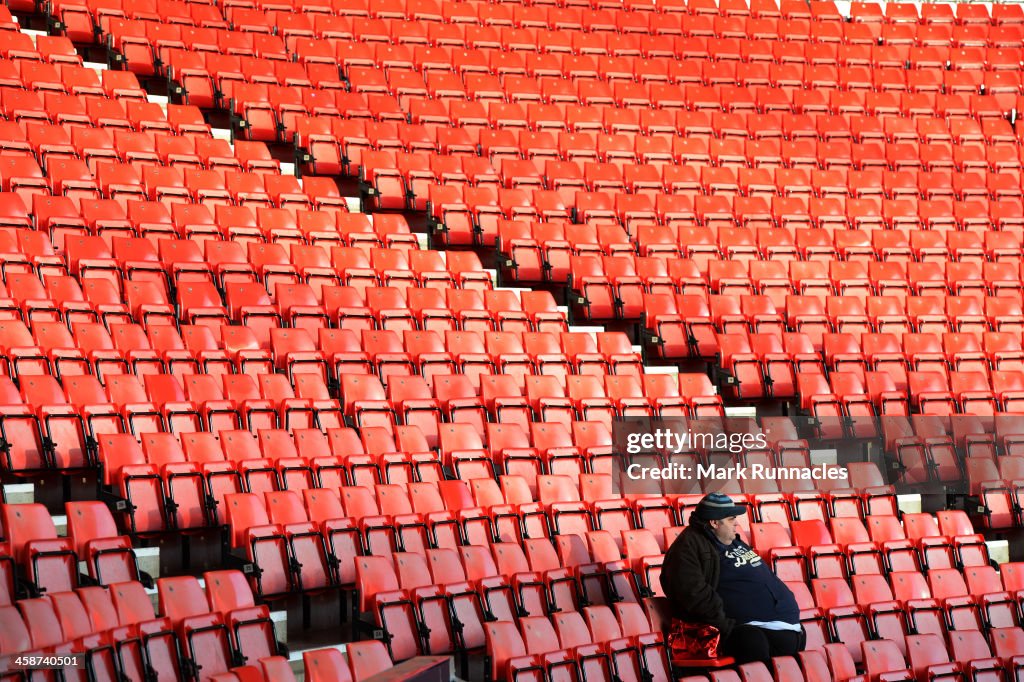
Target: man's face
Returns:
[725, 529]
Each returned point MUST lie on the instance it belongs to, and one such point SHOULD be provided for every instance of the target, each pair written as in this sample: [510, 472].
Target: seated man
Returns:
[711, 576]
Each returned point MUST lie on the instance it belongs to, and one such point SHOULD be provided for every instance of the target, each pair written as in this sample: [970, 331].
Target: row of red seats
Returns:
[7, 22]
[90, 348]
[188, 413]
[476, 509]
[95, 146]
[458, 12]
[857, 310]
[594, 503]
[79, 17]
[115, 629]
[784, 42]
[258, 223]
[645, 196]
[71, 177]
[591, 642]
[929, 534]
[481, 508]
[516, 160]
[567, 31]
[269, 539]
[859, 495]
[383, 353]
[363, 264]
[469, 131]
[928, 654]
[987, 472]
[822, 18]
[944, 541]
[777, 311]
[361, 661]
[834, 616]
[475, 357]
[149, 137]
[463, 216]
[970, 654]
[386, 517]
[811, 26]
[254, 221]
[103, 96]
[139, 44]
[446, 514]
[931, 392]
[862, 494]
[469, 510]
[666, 316]
[407, 70]
[629, 83]
[874, 381]
[753, 198]
[68, 420]
[197, 261]
[998, 483]
[685, 325]
[476, 353]
[400, 308]
[136, 469]
[273, 668]
[36, 561]
[940, 13]
[224, 612]
[973, 295]
[300, 274]
[354, 309]
[824, 235]
[440, 44]
[741, 142]
[889, 352]
[593, 80]
[182, 119]
[721, 328]
[764, 366]
[392, 602]
[117, 632]
[48, 564]
[120, 183]
[540, 251]
[56, 50]
[831, 662]
[501, 398]
[824, 262]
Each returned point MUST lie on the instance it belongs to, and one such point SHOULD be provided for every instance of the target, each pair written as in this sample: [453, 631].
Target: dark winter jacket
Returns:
[689, 578]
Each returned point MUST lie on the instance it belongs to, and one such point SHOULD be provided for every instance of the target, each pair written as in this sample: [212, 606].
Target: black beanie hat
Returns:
[717, 506]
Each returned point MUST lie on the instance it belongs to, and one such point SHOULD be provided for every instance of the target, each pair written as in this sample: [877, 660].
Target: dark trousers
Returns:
[748, 643]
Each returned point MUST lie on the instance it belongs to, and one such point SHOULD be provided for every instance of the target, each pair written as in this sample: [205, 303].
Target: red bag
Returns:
[689, 641]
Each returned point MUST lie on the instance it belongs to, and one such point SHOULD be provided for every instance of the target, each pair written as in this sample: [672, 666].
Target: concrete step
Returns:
[278, 618]
[660, 369]
[586, 329]
[19, 493]
[999, 550]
